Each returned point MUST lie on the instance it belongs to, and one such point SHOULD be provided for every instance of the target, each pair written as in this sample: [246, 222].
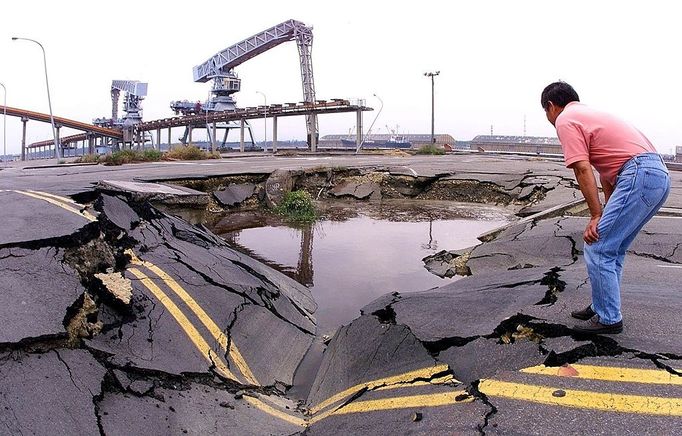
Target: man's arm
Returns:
[588, 186]
[607, 188]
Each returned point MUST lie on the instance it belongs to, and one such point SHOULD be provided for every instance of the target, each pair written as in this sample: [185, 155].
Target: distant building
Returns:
[415, 140]
[678, 153]
[517, 144]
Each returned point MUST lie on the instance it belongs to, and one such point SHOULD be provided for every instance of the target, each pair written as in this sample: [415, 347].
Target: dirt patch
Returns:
[211, 184]
[83, 323]
[118, 286]
[90, 258]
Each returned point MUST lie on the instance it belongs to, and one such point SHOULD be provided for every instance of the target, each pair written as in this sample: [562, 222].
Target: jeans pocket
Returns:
[654, 183]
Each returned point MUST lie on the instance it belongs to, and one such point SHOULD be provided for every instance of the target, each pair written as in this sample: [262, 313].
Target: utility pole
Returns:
[57, 150]
[432, 75]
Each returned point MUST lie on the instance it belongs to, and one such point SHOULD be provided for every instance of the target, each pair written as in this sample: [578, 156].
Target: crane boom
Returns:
[241, 52]
[219, 68]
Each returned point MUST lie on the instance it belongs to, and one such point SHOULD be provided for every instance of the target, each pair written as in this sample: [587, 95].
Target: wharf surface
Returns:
[190, 336]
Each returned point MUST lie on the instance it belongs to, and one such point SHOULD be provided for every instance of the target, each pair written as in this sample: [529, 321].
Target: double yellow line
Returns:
[245, 375]
[574, 398]
[63, 202]
[192, 332]
[413, 378]
[582, 399]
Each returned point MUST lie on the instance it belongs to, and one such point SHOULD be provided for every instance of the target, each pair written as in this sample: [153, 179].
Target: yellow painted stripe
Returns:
[275, 412]
[396, 379]
[609, 373]
[405, 402]
[205, 319]
[603, 401]
[56, 197]
[436, 381]
[88, 216]
[185, 323]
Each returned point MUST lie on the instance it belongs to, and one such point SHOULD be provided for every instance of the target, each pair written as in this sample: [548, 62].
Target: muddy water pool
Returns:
[356, 252]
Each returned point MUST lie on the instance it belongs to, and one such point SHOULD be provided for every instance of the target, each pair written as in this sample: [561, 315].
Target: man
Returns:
[635, 182]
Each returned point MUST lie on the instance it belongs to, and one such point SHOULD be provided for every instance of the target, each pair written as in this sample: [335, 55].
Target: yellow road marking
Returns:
[609, 373]
[406, 402]
[436, 381]
[185, 323]
[56, 197]
[206, 320]
[275, 412]
[603, 401]
[88, 216]
[396, 379]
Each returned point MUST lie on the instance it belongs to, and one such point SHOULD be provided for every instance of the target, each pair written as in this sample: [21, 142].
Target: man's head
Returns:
[555, 97]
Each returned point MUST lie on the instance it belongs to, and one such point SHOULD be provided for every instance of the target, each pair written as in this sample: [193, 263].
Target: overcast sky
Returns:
[495, 57]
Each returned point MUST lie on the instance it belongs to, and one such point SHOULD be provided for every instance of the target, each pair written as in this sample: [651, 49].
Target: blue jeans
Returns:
[641, 189]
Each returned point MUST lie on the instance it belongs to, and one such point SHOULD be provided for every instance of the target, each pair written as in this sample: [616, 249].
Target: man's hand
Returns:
[591, 235]
[588, 186]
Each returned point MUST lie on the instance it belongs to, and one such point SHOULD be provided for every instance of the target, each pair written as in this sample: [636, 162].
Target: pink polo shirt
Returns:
[605, 141]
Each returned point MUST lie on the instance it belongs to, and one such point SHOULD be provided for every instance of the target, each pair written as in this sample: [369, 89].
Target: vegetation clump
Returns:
[88, 158]
[297, 206]
[189, 152]
[430, 149]
[128, 156]
[150, 155]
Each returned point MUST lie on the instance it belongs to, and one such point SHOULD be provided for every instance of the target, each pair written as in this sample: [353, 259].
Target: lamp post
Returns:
[432, 75]
[265, 122]
[49, 101]
[4, 123]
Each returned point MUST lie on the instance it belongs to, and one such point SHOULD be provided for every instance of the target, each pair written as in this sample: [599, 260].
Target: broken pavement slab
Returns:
[359, 190]
[545, 243]
[234, 194]
[25, 221]
[155, 192]
[50, 393]
[200, 306]
[196, 408]
[367, 354]
[37, 291]
[471, 307]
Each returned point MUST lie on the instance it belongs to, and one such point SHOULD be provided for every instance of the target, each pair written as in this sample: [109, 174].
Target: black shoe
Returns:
[584, 314]
[594, 327]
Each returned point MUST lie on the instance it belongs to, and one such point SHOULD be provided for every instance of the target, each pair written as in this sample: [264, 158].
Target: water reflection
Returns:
[358, 251]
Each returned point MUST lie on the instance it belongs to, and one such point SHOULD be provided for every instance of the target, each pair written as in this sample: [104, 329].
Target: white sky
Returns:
[495, 57]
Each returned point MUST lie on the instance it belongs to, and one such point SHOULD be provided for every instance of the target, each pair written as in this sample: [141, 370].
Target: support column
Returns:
[59, 142]
[213, 128]
[274, 135]
[358, 128]
[241, 136]
[189, 138]
[158, 139]
[91, 143]
[313, 142]
[169, 139]
[24, 120]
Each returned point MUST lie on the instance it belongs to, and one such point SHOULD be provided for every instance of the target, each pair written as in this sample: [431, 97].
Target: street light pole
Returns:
[265, 122]
[432, 75]
[4, 124]
[49, 101]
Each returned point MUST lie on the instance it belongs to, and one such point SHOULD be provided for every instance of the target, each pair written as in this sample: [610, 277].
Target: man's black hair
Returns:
[559, 93]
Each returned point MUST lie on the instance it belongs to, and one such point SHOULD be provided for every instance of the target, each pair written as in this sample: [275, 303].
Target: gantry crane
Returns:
[134, 92]
[220, 69]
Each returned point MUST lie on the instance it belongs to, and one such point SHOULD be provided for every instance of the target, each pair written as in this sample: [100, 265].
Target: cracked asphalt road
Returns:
[210, 339]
